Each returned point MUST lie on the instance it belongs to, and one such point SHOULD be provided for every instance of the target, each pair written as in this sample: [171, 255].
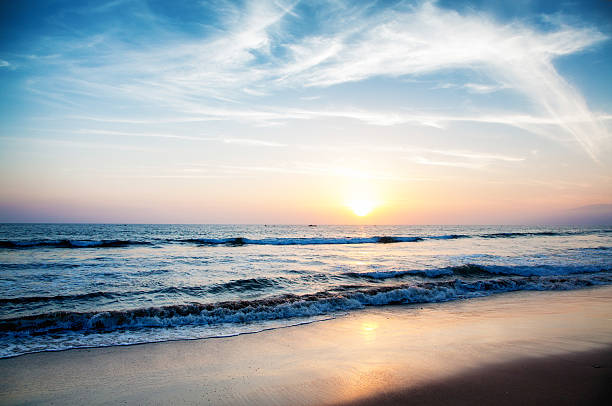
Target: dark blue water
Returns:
[66, 286]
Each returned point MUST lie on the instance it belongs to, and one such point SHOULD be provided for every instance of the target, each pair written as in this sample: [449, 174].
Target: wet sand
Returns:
[525, 347]
[566, 379]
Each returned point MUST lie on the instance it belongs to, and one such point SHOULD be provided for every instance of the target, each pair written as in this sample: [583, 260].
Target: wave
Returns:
[600, 248]
[381, 275]
[448, 237]
[474, 270]
[58, 298]
[285, 306]
[71, 243]
[39, 265]
[243, 285]
[301, 241]
[237, 285]
[542, 233]
[526, 234]
[237, 241]
[241, 241]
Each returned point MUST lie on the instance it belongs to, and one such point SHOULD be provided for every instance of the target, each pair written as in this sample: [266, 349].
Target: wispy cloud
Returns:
[476, 156]
[459, 159]
[253, 53]
[75, 144]
[373, 117]
[304, 168]
[482, 88]
[426, 161]
[240, 141]
[253, 142]
[426, 156]
[145, 134]
[428, 39]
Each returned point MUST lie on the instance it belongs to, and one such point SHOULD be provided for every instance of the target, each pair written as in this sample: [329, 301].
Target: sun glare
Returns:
[361, 207]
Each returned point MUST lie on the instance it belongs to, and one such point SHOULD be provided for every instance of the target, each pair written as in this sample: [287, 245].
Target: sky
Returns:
[306, 112]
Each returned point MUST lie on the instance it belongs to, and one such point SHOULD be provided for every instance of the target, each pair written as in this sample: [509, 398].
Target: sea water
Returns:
[91, 285]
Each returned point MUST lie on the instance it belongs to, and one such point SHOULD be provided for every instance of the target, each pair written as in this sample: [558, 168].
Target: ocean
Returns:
[93, 285]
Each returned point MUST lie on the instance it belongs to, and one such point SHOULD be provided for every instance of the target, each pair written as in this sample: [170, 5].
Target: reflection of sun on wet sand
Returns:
[569, 379]
[528, 347]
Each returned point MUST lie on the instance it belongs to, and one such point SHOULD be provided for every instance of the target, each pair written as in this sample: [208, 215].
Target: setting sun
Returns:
[361, 207]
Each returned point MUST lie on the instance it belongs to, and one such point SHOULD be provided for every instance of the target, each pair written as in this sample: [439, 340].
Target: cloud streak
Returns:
[238, 141]
[253, 54]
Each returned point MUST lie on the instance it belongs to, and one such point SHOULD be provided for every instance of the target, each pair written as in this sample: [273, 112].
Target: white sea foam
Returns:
[19, 332]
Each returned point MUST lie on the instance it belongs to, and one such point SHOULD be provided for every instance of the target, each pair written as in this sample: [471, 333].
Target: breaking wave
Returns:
[240, 241]
[286, 306]
[237, 285]
[302, 241]
[473, 270]
[71, 243]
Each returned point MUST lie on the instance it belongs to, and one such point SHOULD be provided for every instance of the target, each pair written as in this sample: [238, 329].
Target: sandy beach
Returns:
[524, 347]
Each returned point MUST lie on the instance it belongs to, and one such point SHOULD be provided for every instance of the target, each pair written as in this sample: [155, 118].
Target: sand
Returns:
[524, 347]
[583, 378]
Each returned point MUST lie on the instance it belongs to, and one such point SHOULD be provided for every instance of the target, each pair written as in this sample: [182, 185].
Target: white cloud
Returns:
[75, 144]
[144, 134]
[306, 169]
[482, 88]
[254, 92]
[473, 87]
[427, 156]
[427, 161]
[477, 156]
[239, 141]
[428, 39]
[253, 142]
[207, 78]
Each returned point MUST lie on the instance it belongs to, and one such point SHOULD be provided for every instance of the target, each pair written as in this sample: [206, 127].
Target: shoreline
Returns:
[373, 355]
[173, 340]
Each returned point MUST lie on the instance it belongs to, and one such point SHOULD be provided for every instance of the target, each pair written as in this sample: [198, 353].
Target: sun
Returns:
[361, 207]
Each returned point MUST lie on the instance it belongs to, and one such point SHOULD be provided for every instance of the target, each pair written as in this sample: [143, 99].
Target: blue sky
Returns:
[279, 111]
